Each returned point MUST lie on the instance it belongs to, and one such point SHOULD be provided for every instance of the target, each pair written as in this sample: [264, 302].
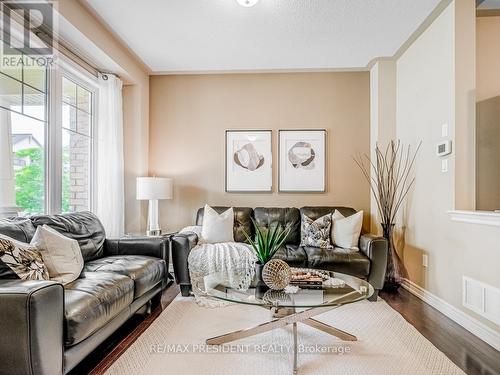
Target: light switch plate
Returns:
[444, 130]
[444, 165]
[425, 260]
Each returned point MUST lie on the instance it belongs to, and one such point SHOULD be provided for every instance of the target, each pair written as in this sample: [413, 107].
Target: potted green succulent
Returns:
[267, 242]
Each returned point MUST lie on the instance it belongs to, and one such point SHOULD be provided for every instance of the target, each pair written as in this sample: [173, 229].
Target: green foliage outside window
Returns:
[30, 181]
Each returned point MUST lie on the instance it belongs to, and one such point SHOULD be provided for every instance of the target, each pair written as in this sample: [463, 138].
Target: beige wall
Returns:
[135, 149]
[488, 113]
[464, 67]
[427, 98]
[487, 57]
[189, 114]
[135, 102]
[488, 154]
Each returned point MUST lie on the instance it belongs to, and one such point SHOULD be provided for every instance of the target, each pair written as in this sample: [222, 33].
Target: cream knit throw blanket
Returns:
[228, 263]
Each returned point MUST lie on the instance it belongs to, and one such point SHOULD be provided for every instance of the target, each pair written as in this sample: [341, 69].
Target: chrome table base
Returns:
[281, 317]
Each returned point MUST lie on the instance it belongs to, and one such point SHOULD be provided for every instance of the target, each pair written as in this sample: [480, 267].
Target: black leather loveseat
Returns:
[47, 328]
[369, 263]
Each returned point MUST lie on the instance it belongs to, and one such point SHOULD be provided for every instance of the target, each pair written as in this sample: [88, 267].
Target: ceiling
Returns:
[174, 36]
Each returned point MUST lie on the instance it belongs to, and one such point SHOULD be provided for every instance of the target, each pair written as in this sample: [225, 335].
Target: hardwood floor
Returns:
[468, 352]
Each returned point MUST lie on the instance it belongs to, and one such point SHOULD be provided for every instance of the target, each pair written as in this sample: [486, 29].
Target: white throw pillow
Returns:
[61, 255]
[217, 228]
[346, 230]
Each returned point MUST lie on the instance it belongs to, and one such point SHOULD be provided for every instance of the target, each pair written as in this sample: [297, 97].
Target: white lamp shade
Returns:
[154, 188]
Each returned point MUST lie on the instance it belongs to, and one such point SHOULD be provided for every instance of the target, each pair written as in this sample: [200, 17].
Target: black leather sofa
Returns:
[369, 263]
[47, 328]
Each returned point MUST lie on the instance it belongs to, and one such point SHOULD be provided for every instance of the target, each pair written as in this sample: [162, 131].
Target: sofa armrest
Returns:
[376, 249]
[31, 326]
[138, 245]
[182, 243]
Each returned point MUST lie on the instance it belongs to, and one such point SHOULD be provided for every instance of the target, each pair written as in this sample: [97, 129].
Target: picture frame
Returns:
[248, 161]
[302, 157]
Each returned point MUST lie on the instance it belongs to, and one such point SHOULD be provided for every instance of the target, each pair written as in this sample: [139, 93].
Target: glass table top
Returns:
[352, 290]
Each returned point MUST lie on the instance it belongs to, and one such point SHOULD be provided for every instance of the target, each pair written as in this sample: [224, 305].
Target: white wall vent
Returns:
[481, 298]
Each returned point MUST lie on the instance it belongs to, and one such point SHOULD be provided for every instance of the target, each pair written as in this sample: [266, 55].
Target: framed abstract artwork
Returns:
[302, 161]
[249, 161]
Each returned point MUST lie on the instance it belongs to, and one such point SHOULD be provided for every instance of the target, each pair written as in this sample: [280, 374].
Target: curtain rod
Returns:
[59, 44]
[81, 61]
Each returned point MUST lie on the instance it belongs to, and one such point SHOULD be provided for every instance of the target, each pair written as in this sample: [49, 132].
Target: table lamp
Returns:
[154, 189]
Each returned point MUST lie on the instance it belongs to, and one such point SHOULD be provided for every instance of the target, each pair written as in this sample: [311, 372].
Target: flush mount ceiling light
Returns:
[247, 3]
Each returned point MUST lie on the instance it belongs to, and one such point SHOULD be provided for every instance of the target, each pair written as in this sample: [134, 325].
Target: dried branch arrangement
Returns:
[389, 176]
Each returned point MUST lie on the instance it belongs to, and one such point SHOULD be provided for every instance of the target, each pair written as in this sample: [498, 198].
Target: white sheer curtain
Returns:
[7, 179]
[110, 180]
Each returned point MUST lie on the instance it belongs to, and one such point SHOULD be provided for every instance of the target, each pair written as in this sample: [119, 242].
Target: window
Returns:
[47, 157]
[77, 140]
[23, 128]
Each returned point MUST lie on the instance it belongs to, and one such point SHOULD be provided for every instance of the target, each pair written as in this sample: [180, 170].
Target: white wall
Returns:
[382, 117]
[430, 90]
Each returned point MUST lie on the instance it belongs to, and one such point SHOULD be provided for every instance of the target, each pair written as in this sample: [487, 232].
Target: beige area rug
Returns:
[387, 344]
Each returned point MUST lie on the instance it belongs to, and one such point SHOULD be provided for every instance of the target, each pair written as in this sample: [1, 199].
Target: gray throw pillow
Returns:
[316, 232]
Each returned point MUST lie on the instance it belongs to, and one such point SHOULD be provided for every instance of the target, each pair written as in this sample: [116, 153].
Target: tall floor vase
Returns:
[396, 270]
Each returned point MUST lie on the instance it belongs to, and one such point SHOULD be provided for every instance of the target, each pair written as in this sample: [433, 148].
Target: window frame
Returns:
[63, 66]
[45, 121]
[71, 71]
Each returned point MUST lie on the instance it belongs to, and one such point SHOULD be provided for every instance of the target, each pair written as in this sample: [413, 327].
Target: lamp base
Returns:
[156, 232]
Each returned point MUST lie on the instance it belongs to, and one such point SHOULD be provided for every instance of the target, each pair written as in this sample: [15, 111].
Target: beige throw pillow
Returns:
[61, 255]
[23, 259]
[346, 230]
[216, 227]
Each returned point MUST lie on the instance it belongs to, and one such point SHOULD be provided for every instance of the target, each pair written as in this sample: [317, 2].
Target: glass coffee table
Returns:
[290, 308]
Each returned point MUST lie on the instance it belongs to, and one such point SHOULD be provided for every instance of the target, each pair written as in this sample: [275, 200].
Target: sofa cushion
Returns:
[242, 221]
[266, 217]
[144, 270]
[18, 228]
[292, 254]
[346, 261]
[84, 227]
[93, 300]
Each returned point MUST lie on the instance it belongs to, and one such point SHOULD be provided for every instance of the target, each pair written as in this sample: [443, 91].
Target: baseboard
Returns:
[471, 324]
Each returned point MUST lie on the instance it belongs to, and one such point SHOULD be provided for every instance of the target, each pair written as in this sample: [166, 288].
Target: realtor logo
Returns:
[28, 28]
